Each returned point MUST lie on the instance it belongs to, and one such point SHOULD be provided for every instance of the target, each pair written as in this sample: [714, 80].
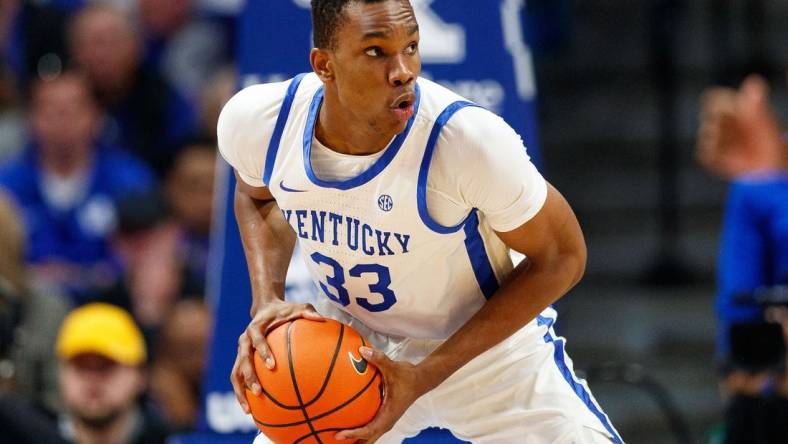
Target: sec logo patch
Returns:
[385, 202]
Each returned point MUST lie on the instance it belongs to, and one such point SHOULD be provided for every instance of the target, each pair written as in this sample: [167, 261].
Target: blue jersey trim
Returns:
[421, 195]
[582, 393]
[372, 171]
[281, 120]
[477, 253]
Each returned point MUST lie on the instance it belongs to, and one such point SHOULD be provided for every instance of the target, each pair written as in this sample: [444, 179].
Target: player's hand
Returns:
[252, 340]
[403, 387]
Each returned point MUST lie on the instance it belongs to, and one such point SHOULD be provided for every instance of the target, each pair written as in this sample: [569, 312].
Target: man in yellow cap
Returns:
[102, 357]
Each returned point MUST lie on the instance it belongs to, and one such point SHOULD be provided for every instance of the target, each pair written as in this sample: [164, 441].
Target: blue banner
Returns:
[475, 48]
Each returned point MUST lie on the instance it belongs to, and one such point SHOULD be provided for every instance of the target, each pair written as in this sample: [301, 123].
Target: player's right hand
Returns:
[268, 316]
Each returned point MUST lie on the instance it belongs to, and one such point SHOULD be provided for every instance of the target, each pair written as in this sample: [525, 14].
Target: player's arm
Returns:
[555, 261]
[267, 240]
[243, 132]
[268, 243]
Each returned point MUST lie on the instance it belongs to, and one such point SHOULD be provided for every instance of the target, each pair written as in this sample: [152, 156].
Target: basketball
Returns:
[320, 384]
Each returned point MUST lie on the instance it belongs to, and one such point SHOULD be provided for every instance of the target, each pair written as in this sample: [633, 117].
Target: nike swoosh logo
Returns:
[360, 365]
[289, 190]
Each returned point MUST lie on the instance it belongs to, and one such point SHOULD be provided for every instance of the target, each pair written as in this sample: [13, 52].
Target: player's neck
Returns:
[343, 134]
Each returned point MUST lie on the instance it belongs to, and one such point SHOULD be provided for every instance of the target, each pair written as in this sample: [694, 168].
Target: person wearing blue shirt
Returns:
[754, 248]
[66, 185]
[146, 115]
[754, 259]
[740, 139]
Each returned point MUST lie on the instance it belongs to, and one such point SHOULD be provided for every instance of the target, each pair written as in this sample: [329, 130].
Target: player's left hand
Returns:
[403, 384]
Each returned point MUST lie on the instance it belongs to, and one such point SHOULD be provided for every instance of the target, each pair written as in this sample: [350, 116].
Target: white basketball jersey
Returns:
[369, 242]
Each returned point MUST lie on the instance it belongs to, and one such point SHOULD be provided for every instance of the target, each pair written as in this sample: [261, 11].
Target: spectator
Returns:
[740, 139]
[177, 372]
[29, 315]
[186, 49]
[189, 189]
[163, 241]
[146, 242]
[66, 192]
[102, 358]
[146, 115]
[754, 247]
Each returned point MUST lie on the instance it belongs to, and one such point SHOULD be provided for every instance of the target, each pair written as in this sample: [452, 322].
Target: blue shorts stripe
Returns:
[579, 389]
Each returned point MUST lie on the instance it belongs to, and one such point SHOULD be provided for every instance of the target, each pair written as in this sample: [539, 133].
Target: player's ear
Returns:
[321, 64]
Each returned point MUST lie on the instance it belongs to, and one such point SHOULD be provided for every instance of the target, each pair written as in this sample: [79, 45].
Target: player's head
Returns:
[101, 354]
[366, 53]
[327, 17]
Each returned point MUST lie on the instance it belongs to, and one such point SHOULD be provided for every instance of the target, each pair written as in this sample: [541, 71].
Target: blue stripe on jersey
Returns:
[480, 262]
[372, 171]
[281, 120]
[579, 389]
[421, 196]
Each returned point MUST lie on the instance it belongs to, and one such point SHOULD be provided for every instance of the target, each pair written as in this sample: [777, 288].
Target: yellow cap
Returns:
[103, 329]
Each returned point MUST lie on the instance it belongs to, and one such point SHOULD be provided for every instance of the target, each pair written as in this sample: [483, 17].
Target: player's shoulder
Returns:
[260, 103]
[247, 121]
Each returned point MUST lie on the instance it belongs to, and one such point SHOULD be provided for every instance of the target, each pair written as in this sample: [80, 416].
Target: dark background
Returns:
[620, 84]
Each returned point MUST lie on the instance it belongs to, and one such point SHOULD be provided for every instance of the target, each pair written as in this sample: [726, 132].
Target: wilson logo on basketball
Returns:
[360, 365]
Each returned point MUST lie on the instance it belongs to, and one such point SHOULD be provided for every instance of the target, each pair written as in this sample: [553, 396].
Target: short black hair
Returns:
[327, 17]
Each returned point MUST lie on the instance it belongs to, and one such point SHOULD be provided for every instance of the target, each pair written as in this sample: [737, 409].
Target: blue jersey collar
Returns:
[372, 171]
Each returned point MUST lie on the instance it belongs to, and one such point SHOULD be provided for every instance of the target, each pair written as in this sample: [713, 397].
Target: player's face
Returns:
[376, 62]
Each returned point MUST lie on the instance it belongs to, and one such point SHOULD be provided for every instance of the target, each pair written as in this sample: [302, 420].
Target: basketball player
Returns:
[406, 199]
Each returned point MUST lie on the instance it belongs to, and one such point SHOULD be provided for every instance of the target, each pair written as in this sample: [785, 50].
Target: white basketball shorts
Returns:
[522, 390]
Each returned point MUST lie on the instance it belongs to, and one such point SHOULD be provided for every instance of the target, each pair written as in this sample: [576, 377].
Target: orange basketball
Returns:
[320, 384]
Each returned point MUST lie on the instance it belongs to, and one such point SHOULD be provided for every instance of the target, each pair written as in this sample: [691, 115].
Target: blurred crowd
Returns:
[108, 112]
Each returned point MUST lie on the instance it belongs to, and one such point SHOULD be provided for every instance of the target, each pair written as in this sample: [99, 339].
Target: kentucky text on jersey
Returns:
[325, 226]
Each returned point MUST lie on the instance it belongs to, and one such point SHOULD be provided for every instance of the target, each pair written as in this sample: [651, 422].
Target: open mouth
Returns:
[403, 106]
[404, 101]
